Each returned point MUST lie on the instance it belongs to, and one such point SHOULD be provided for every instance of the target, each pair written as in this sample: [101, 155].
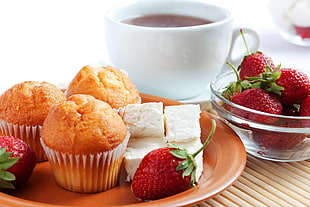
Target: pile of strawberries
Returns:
[264, 87]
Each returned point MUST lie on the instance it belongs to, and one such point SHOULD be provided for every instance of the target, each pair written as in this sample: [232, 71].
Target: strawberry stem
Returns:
[235, 71]
[208, 139]
[235, 87]
[188, 165]
[245, 43]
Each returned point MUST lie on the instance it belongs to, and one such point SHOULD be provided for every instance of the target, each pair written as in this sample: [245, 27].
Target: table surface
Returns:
[52, 40]
[266, 183]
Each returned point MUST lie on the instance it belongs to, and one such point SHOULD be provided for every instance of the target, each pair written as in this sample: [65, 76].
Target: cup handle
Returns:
[255, 43]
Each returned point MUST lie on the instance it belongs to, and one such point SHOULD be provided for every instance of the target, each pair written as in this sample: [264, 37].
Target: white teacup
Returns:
[172, 62]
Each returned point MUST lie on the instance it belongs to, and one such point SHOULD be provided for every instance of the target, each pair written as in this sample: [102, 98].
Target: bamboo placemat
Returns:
[266, 183]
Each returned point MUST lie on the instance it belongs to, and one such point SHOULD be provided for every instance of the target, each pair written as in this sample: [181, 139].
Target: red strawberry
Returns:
[305, 111]
[305, 107]
[166, 171]
[257, 99]
[158, 178]
[17, 161]
[303, 32]
[254, 64]
[276, 140]
[296, 86]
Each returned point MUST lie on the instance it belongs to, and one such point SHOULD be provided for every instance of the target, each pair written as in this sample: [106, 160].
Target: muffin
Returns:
[85, 140]
[105, 83]
[23, 109]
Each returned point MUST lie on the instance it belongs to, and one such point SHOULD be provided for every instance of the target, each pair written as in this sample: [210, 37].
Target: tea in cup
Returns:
[171, 48]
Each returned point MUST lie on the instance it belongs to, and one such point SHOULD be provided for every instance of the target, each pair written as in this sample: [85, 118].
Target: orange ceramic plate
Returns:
[224, 161]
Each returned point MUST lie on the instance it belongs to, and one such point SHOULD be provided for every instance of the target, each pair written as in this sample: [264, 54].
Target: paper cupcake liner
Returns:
[30, 134]
[89, 173]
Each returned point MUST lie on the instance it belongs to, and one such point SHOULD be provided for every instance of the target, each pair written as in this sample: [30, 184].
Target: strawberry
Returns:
[253, 64]
[303, 32]
[296, 86]
[257, 99]
[276, 140]
[305, 111]
[158, 178]
[305, 107]
[17, 161]
[166, 171]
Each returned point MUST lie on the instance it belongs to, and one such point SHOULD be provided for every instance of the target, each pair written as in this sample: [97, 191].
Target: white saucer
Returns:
[204, 96]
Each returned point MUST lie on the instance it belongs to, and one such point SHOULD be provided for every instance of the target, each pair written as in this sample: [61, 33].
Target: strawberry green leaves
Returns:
[189, 165]
[234, 87]
[267, 80]
[5, 163]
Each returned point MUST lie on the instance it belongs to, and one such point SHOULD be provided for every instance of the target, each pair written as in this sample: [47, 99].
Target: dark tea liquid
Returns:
[166, 20]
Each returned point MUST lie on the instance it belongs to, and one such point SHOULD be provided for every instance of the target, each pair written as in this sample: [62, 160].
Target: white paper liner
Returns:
[30, 134]
[89, 173]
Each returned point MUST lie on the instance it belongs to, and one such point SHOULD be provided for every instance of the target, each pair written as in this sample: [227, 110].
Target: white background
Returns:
[51, 40]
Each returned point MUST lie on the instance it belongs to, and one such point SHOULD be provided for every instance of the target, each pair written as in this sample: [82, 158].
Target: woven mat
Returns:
[267, 183]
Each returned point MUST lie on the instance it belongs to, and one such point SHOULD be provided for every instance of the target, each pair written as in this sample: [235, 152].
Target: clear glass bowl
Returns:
[291, 18]
[268, 136]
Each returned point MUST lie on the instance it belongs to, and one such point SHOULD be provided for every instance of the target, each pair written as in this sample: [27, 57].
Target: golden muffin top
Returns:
[29, 102]
[105, 83]
[83, 125]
